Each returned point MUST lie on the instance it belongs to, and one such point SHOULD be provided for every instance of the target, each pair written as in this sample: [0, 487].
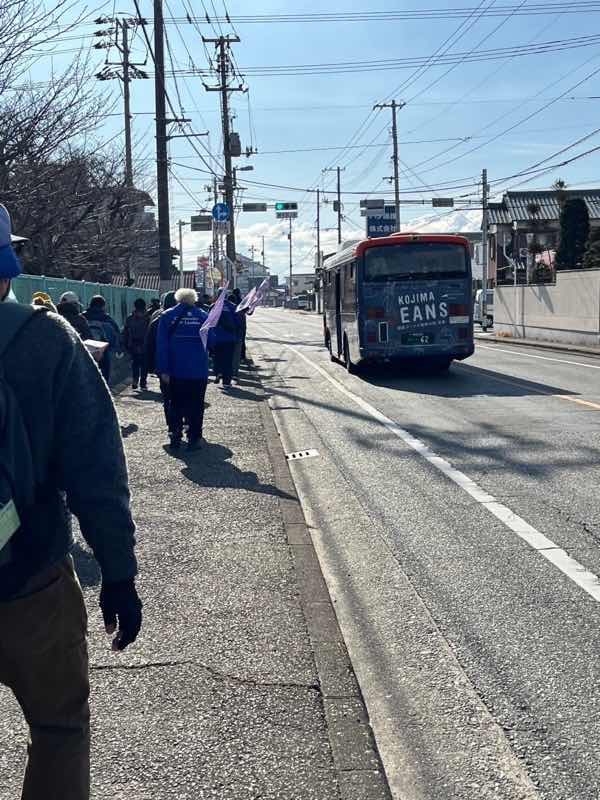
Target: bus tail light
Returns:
[375, 313]
[458, 313]
[383, 332]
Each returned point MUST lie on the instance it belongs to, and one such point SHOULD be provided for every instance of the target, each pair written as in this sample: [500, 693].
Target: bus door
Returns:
[338, 311]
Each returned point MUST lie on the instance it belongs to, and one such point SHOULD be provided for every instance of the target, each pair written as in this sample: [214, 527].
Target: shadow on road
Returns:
[491, 448]
[127, 430]
[462, 380]
[210, 467]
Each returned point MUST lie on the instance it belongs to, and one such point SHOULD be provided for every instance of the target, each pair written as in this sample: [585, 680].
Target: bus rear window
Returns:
[415, 260]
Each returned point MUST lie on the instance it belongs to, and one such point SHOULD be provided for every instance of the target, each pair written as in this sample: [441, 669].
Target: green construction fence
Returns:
[119, 299]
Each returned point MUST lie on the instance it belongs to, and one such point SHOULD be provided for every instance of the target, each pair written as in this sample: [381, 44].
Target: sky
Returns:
[506, 113]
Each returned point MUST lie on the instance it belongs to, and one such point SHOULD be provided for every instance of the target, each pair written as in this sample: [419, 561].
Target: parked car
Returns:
[478, 310]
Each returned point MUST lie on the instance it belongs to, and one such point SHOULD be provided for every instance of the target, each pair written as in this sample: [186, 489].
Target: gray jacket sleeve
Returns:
[90, 462]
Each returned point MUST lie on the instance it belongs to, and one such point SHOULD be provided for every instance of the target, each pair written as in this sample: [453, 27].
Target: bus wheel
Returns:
[443, 366]
[351, 367]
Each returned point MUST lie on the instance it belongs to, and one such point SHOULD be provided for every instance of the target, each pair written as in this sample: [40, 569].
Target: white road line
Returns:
[542, 358]
[571, 568]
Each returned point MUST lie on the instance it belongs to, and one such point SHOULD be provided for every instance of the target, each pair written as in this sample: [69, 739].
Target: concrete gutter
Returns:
[360, 772]
[563, 348]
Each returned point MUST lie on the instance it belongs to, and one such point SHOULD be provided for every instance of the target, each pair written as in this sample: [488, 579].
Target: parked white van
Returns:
[478, 311]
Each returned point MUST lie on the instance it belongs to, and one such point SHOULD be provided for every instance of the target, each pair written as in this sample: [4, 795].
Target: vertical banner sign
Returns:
[214, 315]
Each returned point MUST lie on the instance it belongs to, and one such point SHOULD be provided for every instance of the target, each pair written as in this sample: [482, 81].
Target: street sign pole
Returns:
[180, 225]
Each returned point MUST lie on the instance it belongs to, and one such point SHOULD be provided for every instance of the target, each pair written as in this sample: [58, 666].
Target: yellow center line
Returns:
[568, 397]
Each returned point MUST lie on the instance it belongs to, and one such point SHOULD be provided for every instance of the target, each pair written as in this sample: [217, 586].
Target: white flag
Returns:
[259, 296]
[247, 300]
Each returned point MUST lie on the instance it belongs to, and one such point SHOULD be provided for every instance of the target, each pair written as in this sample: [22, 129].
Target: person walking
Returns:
[168, 301]
[43, 300]
[70, 309]
[103, 329]
[182, 362]
[134, 341]
[62, 451]
[226, 335]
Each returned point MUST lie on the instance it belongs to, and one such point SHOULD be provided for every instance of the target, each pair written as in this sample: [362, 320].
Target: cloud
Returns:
[304, 242]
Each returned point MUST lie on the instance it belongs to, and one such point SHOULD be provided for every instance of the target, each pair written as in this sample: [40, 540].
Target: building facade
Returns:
[524, 230]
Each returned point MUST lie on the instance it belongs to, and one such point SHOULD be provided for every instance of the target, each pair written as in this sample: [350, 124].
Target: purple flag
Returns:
[214, 315]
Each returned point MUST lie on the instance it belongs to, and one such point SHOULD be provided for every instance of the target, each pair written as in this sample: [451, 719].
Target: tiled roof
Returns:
[498, 214]
[547, 202]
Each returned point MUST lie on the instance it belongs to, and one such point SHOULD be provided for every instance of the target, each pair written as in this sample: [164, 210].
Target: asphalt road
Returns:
[457, 519]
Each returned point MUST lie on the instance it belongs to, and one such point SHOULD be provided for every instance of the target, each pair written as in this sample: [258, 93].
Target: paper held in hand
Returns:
[95, 348]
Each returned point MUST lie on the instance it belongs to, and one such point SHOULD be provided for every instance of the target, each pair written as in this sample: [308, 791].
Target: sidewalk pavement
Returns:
[240, 685]
[561, 347]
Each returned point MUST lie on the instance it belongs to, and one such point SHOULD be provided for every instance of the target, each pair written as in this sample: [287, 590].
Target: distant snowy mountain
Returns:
[453, 222]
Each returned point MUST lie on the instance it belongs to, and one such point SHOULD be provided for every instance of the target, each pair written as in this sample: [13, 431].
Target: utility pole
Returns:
[291, 263]
[162, 164]
[395, 106]
[126, 103]
[318, 228]
[181, 224]
[262, 252]
[129, 71]
[222, 44]
[339, 170]
[484, 247]
[252, 250]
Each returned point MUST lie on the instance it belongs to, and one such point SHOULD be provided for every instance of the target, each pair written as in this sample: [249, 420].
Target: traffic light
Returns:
[286, 206]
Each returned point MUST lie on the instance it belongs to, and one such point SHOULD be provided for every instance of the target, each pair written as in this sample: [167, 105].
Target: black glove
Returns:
[120, 603]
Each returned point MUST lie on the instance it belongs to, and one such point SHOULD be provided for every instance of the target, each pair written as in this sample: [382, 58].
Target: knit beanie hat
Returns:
[168, 300]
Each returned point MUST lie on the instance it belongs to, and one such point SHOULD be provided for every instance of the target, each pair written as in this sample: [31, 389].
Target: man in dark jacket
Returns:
[227, 334]
[134, 341]
[103, 329]
[182, 363]
[67, 415]
[70, 309]
[168, 301]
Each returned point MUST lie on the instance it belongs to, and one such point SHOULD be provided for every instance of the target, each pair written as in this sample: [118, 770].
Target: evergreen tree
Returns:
[591, 259]
[574, 233]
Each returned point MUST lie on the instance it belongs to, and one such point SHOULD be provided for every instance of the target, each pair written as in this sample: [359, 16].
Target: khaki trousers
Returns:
[43, 660]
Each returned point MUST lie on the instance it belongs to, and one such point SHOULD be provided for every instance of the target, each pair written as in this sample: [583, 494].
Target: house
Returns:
[302, 283]
[524, 227]
[250, 273]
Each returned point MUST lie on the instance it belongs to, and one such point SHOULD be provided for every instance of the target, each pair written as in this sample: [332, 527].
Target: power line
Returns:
[535, 9]
[485, 80]
[440, 186]
[382, 65]
[520, 122]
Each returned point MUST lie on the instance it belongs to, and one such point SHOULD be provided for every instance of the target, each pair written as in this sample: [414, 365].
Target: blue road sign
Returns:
[380, 226]
[221, 212]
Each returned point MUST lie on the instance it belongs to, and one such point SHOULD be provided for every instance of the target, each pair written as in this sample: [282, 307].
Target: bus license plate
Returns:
[417, 338]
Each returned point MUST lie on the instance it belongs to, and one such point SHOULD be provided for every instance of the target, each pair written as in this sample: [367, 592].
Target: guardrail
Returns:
[119, 299]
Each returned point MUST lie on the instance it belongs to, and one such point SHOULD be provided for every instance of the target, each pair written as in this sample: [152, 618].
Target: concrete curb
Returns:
[563, 348]
[356, 759]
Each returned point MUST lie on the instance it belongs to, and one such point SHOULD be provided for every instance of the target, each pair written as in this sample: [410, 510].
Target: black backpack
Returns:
[18, 491]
